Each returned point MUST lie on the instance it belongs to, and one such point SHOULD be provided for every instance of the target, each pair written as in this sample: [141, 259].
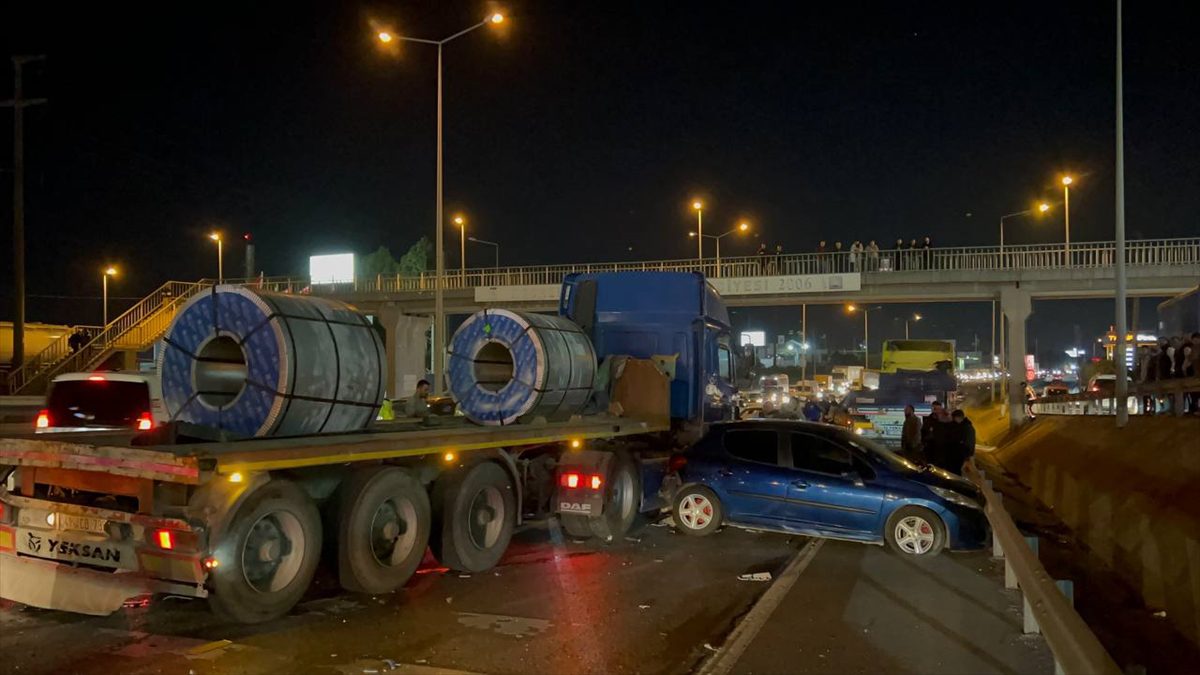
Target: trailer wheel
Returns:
[478, 513]
[383, 529]
[622, 495]
[268, 555]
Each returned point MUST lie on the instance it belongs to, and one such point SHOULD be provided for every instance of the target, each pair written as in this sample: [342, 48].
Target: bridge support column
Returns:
[1015, 306]
[406, 344]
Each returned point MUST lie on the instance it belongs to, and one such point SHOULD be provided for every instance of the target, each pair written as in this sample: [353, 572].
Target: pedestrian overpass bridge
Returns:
[1012, 275]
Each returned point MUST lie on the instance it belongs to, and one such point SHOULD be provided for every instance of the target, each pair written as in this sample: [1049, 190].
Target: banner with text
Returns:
[777, 285]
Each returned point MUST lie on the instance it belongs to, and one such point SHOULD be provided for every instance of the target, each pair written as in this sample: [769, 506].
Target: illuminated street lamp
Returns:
[109, 271]
[866, 312]
[1066, 183]
[462, 244]
[742, 227]
[216, 236]
[699, 206]
[439, 307]
[1040, 209]
[915, 317]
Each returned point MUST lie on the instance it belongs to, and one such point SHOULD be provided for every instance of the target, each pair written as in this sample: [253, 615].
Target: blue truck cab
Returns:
[676, 315]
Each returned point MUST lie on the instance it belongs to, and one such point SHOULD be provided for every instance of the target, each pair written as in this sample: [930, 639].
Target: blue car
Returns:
[823, 481]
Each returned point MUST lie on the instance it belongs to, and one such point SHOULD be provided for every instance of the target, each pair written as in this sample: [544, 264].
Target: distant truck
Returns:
[89, 521]
[913, 372]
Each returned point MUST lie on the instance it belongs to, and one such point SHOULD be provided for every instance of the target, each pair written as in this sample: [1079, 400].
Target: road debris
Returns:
[757, 576]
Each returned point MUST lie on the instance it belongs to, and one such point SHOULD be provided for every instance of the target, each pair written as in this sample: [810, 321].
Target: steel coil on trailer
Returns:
[270, 364]
[506, 367]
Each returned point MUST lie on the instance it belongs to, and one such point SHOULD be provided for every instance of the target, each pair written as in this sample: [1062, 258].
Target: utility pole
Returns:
[1122, 387]
[18, 104]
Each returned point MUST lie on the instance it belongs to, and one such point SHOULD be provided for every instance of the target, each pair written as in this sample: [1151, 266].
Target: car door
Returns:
[828, 489]
[750, 479]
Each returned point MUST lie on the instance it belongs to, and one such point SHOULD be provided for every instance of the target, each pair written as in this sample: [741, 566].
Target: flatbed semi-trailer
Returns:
[85, 525]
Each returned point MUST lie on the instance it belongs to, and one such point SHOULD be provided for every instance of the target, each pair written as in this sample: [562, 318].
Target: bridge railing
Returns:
[1080, 255]
[1161, 397]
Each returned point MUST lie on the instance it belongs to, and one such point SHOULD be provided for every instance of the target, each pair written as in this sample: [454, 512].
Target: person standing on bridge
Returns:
[856, 256]
[839, 265]
[899, 254]
[910, 437]
[777, 259]
[762, 258]
[872, 256]
[822, 258]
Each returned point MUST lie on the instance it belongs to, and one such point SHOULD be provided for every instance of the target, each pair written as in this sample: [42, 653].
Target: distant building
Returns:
[1145, 338]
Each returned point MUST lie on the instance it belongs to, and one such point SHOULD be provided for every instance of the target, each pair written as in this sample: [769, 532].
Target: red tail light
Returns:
[165, 539]
[597, 481]
[43, 420]
[569, 480]
[145, 422]
[3, 513]
[676, 464]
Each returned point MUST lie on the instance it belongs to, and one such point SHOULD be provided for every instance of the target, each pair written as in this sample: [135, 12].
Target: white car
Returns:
[102, 401]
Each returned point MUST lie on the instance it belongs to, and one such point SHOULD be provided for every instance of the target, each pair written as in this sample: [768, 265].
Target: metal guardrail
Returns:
[1048, 611]
[1082, 255]
[136, 328]
[1164, 397]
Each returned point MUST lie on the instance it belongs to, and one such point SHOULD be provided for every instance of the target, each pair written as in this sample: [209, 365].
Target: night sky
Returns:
[579, 132]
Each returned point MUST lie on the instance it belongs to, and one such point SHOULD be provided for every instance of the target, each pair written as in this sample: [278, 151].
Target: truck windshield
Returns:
[84, 403]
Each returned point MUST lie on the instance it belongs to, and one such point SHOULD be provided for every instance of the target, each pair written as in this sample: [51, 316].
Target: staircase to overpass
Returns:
[1014, 275]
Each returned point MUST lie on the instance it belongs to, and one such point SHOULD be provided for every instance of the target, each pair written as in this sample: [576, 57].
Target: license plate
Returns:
[67, 521]
[52, 545]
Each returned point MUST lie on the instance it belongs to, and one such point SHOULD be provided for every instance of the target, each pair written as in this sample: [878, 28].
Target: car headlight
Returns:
[858, 431]
[955, 497]
[786, 398]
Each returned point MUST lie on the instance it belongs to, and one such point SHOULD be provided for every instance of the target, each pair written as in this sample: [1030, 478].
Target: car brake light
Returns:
[570, 480]
[165, 539]
[95, 378]
[43, 419]
[676, 463]
[597, 481]
[145, 422]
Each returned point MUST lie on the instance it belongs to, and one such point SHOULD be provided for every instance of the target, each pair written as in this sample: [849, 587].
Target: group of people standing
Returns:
[1176, 357]
[944, 439]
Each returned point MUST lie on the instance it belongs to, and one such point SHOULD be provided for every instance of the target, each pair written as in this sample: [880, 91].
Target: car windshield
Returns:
[85, 403]
[879, 454]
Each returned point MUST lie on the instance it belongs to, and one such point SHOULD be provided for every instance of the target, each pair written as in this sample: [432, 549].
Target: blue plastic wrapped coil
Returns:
[270, 364]
[507, 367]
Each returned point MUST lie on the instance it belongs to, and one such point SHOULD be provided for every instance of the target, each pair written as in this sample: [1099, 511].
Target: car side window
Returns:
[754, 445]
[815, 453]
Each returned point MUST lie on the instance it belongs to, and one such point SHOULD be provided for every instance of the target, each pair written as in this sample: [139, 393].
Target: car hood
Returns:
[936, 477]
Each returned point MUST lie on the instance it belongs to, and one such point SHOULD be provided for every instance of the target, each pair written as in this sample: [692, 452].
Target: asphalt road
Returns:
[658, 602]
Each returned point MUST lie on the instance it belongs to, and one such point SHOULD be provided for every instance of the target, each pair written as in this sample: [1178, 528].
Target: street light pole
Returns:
[18, 104]
[1066, 182]
[1041, 208]
[109, 271]
[216, 236]
[699, 206]
[488, 243]
[804, 341]
[439, 306]
[462, 246]
[1122, 387]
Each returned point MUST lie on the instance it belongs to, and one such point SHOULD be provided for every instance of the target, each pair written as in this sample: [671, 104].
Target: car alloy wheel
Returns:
[914, 535]
[695, 511]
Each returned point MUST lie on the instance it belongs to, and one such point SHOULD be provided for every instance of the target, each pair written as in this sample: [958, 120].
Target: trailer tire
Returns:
[478, 514]
[267, 556]
[622, 497]
[383, 521]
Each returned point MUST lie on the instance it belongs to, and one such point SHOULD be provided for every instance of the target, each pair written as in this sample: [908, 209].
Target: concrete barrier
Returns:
[1129, 494]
